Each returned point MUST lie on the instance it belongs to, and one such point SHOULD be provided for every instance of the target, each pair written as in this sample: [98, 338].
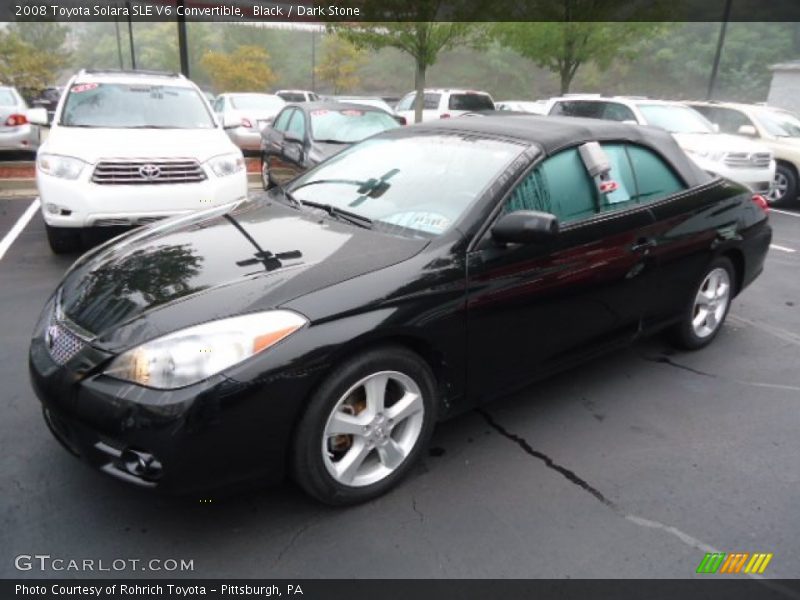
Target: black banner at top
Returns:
[361, 11]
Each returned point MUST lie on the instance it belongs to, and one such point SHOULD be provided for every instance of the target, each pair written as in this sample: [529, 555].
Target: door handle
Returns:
[643, 245]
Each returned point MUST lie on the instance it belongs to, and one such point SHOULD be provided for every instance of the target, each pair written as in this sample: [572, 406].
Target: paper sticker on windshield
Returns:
[428, 222]
[82, 87]
[351, 112]
[319, 111]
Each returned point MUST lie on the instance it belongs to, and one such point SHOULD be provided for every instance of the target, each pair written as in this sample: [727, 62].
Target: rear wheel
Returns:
[784, 187]
[365, 426]
[705, 313]
[63, 240]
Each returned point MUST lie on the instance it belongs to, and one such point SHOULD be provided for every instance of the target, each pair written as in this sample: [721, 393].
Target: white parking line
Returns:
[784, 212]
[9, 238]
[782, 248]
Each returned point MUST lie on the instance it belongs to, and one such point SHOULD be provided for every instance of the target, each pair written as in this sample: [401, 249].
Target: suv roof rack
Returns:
[142, 72]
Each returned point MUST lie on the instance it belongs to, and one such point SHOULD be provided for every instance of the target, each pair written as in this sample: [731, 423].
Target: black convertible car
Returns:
[321, 329]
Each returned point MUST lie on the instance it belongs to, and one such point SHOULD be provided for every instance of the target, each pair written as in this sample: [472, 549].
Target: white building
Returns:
[784, 90]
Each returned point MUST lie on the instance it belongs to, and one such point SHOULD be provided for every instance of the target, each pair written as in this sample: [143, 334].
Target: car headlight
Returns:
[713, 156]
[196, 353]
[65, 167]
[227, 164]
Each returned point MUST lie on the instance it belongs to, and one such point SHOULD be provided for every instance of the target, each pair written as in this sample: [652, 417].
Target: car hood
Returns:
[92, 144]
[192, 270]
[717, 142]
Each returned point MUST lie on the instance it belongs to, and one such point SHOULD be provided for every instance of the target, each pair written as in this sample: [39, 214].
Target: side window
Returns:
[618, 112]
[560, 185]
[730, 120]
[297, 125]
[407, 102]
[219, 104]
[655, 179]
[579, 108]
[283, 120]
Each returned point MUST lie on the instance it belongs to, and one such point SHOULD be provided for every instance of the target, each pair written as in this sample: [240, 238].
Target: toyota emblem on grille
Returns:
[150, 171]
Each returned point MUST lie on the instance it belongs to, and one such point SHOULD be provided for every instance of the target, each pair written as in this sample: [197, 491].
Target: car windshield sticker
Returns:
[82, 87]
[429, 222]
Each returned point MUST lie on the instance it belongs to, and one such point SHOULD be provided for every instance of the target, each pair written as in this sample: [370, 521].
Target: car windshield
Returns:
[7, 98]
[778, 123]
[675, 118]
[133, 105]
[349, 125]
[470, 102]
[292, 96]
[257, 102]
[416, 185]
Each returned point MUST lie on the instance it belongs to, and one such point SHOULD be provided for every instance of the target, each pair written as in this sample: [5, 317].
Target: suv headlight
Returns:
[65, 167]
[227, 164]
[713, 156]
[196, 353]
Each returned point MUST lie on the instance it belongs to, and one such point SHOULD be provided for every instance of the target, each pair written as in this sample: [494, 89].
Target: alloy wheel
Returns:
[780, 185]
[711, 302]
[373, 428]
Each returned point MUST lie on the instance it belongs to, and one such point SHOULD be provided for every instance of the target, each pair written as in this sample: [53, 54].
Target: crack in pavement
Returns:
[291, 542]
[665, 360]
[571, 476]
[416, 510]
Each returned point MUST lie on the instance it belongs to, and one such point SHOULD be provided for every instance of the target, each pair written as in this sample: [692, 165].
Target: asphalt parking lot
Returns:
[634, 465]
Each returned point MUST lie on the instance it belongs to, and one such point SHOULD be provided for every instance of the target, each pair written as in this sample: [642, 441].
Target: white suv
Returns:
[442, 104]
[128, 148]
[733, 157]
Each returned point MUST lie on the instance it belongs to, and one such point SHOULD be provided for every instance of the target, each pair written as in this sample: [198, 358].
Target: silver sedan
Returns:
[16, 130]
[244, 116]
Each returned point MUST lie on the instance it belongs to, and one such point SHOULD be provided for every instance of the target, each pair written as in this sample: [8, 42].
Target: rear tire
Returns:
[784, 190]
[63, 240]
[365, 426]
[705, 312]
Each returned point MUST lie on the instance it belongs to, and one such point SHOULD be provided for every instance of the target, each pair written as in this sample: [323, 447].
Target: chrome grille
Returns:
[747, 160]
[62, 343]
[147, 172]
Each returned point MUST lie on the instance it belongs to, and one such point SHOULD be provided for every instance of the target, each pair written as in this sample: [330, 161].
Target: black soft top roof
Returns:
[552, 134]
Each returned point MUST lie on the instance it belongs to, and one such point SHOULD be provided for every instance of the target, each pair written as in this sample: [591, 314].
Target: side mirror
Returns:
[38, 116]
[747, 130]
[231, 121]
[292, 137]
[525, 227]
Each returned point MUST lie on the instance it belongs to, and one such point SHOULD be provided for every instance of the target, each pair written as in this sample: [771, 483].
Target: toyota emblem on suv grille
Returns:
[150, 171]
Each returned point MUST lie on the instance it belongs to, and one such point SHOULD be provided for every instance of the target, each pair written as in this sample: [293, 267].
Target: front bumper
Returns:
[81, 203]
[758, 180]
[22, 137]
[216, 433]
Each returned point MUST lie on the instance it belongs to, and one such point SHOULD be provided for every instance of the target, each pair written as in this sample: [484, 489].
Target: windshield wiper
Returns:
[318, 181]
[332, 141]
[290, 198]
[342, 215]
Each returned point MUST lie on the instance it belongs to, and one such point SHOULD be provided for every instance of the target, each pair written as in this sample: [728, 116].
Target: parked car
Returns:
[443, 104]
[298, 95]
[324, 328]
[775, 128]
[729, 156]
[17, 131]
[375, 101]
[128, 148]
[304, 135]
[244, 116]
[48, 99]
[536, 107]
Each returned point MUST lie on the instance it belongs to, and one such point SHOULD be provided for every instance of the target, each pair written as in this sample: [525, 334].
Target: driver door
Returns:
[535, 308]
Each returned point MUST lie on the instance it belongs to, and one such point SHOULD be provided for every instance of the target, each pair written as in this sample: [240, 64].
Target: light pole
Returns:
[718, 54]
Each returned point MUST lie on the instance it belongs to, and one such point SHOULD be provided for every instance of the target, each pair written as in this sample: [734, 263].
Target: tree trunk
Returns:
[566, 80]
[419, 84]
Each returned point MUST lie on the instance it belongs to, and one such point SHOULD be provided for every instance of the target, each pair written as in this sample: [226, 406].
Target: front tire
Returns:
[365, 426]
[63, 240]
[706, 311]
[784, 187]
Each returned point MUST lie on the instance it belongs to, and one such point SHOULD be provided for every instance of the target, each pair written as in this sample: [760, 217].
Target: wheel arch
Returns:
[736, 256]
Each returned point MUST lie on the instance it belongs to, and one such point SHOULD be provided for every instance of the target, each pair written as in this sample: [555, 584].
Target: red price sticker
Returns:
[352, 113]
[83, 87]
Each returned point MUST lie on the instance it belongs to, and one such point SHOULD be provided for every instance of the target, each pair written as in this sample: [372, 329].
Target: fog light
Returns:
[141, 464]
[51, 208]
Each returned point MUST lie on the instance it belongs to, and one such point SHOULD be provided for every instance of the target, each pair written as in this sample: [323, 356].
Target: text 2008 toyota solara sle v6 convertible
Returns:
[322, 329]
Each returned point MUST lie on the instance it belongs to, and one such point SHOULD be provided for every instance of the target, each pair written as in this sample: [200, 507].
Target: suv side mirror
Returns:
[525, 227]
[747, 130]
[38, 116]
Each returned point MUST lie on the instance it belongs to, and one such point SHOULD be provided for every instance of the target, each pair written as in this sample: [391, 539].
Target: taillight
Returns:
[247, 123]
[761, 202]
[444, 116]
[402, 120]
[16, 120]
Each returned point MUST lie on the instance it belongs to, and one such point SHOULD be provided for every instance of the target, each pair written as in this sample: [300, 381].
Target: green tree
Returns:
[562, 47]
[340, 63]
[422, 40]
[25, 66]
[246, 69]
